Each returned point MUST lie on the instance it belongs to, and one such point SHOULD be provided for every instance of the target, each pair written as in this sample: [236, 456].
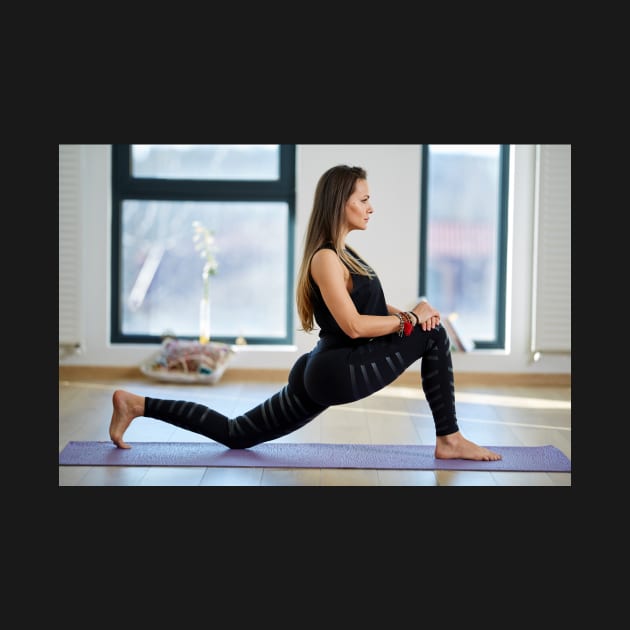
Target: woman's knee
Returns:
[441, 336]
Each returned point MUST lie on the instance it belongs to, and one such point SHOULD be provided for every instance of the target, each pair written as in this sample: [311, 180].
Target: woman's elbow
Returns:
[353, 330]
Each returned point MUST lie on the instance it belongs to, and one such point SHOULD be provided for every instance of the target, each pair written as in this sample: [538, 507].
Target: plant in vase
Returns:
[203, 238]
[191, 361]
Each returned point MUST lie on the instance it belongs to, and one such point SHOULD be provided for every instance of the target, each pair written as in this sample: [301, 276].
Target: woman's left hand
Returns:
[428, 317]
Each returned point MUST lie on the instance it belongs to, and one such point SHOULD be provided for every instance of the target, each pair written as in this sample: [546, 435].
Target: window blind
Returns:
[551, 299]
[70, 328]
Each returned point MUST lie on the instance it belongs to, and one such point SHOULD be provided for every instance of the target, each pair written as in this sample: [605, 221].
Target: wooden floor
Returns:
[502, 415]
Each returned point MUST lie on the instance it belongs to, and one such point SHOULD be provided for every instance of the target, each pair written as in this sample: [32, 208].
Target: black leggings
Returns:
[330, 374]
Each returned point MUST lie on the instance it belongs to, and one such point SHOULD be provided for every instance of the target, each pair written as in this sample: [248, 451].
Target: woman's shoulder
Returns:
[325, 253]
[326, 246]
[326, 261]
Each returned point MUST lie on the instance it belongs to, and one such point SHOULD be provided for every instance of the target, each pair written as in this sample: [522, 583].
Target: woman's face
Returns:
[358, 207]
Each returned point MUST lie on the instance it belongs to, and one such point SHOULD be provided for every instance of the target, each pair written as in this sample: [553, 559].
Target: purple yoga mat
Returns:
[288, 455]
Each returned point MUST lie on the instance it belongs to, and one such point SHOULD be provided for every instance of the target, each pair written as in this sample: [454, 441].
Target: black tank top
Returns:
[367, 295]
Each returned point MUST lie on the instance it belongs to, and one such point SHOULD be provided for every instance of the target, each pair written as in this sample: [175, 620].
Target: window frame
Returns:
[502, 243]
[126, 187]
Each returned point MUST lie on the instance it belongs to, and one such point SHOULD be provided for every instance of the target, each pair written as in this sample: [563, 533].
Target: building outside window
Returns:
[463, 239]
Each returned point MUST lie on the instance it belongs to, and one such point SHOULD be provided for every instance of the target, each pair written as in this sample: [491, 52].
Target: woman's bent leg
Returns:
[438, 384]
[342, 375]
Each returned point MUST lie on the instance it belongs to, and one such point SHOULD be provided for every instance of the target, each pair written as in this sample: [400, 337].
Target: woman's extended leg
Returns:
[284, 412]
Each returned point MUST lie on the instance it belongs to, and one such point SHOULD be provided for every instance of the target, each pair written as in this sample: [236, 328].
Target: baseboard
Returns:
[233, 375]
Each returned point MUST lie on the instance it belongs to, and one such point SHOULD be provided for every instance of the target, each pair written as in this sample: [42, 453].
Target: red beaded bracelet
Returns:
[406, 327]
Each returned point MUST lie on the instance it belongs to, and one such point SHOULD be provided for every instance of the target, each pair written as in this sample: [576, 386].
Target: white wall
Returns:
[390, 244]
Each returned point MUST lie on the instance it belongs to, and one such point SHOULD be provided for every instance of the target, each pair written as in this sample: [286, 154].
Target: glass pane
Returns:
[254, 162]
[161, 284]
[462, 238]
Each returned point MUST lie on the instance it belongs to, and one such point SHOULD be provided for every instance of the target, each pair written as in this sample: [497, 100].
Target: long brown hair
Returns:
[333, 190]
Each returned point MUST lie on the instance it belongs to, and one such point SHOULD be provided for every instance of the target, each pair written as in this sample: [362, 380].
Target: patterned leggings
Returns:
[330, 374]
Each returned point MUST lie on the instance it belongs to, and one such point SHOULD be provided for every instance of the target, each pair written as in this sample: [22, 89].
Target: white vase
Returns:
[204, 320]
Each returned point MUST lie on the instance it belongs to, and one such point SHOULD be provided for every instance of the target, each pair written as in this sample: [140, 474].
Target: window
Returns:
[463, 237]
[244, 196]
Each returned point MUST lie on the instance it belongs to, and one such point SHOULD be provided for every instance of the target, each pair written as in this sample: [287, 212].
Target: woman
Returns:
[364, 343]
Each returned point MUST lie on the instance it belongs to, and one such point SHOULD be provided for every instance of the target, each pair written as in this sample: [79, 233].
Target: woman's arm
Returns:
[333, 279]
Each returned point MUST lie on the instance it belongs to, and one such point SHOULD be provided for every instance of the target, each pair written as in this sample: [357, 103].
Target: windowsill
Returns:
[263, 348]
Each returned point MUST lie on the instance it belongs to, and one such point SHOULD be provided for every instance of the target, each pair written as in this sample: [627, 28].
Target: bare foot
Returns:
[456, 446]
[127, 406]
